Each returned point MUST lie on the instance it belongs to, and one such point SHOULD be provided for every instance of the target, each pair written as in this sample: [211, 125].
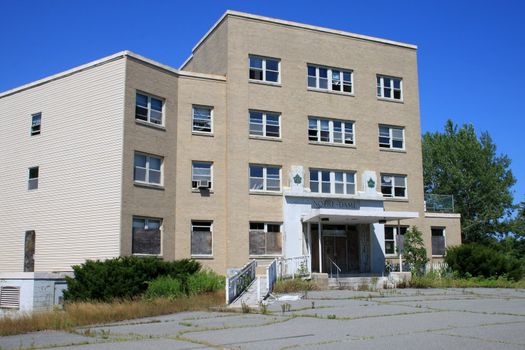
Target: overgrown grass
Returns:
[294, 285]
[436, 281]
[78, 314]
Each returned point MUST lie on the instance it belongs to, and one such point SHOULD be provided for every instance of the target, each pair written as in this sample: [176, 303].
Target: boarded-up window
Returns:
[146, 236]
[201, 238]
[29, 252]
[9, 297]
[438, 241]
[265, 239]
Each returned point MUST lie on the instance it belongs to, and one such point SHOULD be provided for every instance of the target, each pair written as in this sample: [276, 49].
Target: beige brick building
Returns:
[274, 139]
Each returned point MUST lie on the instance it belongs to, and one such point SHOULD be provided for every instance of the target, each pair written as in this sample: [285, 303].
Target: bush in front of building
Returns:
[204, 282]
[414, 252]
[123, 277]
[478, 260]
[164, 287]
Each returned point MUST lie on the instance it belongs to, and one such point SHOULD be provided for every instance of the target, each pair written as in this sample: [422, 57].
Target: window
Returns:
[148, 109]
[438, 241]
[29, 251]
[391, 137]
[265, 239]
[393, 240]
[148, 169]
[146, 236]
[330, 79]
[394, 186]
[265, 178]
[201, 176]
[201, 238]
[264, 69]
[36, 122]
[265, 124]
[202, 119]
[32, 183]
[330, 131]
[390, 88]
[330, 181]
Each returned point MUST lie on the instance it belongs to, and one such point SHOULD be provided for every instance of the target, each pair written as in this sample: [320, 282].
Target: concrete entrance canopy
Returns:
[361, 216]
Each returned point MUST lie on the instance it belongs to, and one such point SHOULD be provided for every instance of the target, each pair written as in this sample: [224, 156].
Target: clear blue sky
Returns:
[471, 53]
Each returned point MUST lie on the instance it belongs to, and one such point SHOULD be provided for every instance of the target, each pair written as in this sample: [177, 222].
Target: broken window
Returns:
[201, 238]
[264, 69]
[146, 236]
[202, 119]
[32, 183]
[265, 239]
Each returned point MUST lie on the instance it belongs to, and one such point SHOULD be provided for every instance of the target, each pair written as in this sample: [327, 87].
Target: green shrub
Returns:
[165, 287]
[204, 282]
[474, 259]
[294, 285]
[414, 252]
[123, 278]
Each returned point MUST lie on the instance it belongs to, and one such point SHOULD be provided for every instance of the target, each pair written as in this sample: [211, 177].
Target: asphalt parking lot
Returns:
[394, 319]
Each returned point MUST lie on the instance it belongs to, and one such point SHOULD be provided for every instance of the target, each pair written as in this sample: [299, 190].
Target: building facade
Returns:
[274, 139]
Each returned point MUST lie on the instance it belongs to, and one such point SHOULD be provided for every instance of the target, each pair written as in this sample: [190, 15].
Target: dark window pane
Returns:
[272, 65]
[399, 192]
[256, 171]
[256, 74]
[255, 62]
[272, 76]
[397, 94]
[311, 71]
[397, 144]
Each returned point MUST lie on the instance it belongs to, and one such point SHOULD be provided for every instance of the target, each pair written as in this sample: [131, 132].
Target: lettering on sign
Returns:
[334, 204]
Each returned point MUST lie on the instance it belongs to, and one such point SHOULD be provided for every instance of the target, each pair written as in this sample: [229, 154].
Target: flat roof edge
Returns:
[107, 59]
[297, 25]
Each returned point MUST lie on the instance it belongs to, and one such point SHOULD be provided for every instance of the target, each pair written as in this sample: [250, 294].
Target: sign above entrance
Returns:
[334, 204]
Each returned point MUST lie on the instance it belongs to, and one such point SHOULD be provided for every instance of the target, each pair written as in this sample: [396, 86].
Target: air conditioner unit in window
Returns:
[203, 184]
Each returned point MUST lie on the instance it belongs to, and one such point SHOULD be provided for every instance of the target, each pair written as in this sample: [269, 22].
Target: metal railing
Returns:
[337, 269]
[271, 275]
[237, 283]
[297, 266]
[439, 203]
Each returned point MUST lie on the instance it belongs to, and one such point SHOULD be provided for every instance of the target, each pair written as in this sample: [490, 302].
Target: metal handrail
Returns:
[338, 269]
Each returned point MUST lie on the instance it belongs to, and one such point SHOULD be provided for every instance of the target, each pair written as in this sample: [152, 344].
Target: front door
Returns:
[335, 249]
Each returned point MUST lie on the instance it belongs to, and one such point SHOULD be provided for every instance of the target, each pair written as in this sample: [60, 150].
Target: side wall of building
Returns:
[75, 212]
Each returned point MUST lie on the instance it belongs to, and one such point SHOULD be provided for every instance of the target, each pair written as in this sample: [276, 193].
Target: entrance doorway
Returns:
[339, 245]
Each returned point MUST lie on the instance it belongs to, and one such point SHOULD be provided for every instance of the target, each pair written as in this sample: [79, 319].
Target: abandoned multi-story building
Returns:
[274, 139]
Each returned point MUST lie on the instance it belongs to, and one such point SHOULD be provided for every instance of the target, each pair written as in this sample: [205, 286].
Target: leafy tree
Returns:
[457, 162]
[518, 224]
[414, 251]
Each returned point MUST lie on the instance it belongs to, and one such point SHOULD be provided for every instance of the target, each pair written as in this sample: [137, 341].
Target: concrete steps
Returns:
[359, 283]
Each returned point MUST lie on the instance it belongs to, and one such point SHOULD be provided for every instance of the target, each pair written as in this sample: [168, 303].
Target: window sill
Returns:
[202, 133]
[390, 199]
[267, 193]
[196, 190]
[139, 255]
[202, 257]
[265, 256]
[389, 100]
[343, 145]
[438, 256]
[266, 138]
[150, 125]
[391, 256]
[394, 150]
[351, 94]
[146, 185]
[262, 82]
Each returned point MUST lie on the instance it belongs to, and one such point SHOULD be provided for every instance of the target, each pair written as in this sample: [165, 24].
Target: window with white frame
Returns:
[391, 137]
[265, 124]
[201, 238]
[36, 124]
[265, 239]
[394, 185]
[265, 178]
[389, 87]
[438, 241]
[146, 236]
[332, 181]
[394, 240]
[147, 169]
[331, 79]
[148, 108]
[32, 183]
[330, 131]
[202, 119]
[264, 69]
[201, 175]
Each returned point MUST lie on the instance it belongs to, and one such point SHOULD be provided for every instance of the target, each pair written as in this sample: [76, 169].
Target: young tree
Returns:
[414, 250]
[457, 162]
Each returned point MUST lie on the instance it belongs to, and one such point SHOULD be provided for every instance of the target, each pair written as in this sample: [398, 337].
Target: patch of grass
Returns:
[435, 281]
[294, 286]
[76, 314]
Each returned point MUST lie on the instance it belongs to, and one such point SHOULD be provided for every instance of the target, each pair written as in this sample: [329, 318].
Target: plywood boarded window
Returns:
[29, 252]
[9, 297]
[438, 241]
[201, 238]
[146, 236]
[265, 239]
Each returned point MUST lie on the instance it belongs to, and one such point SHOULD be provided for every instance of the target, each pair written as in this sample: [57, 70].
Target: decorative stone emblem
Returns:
[297, 179]
[371, 183]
